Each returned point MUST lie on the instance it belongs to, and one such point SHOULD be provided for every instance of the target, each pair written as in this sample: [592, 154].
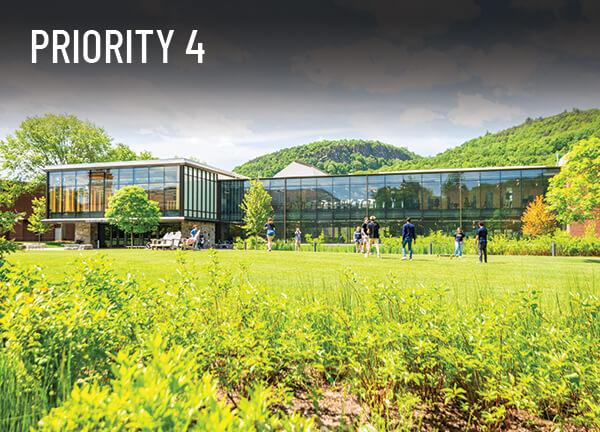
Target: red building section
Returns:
[580, 229]
[20, 231]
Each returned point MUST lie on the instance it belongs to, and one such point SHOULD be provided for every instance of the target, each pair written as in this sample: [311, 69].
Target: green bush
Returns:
[103, 352]
[160, 389]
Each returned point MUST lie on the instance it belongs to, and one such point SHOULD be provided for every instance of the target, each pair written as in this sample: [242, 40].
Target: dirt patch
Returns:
[336, 408]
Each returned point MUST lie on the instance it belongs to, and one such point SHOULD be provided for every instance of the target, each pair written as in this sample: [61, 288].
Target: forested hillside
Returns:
[534, 142]
[333, 157]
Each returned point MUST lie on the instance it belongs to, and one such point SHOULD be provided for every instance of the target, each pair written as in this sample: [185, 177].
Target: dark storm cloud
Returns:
[423, 74]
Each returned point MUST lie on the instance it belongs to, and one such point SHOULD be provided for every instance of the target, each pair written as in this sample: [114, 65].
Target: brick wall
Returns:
[579, 229]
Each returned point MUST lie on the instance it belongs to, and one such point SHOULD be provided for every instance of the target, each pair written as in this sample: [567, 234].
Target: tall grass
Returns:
[109, 351]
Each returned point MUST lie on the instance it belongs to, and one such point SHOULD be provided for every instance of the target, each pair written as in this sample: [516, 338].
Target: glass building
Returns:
[190, 193]
[184, 190]
[435, 200]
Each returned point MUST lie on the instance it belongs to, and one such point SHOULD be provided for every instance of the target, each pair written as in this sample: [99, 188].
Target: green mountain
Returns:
[535, 142]
[333, 157]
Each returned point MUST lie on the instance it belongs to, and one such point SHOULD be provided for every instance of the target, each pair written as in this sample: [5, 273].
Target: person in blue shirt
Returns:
[193, 240]
[481, 241]
[297, 239]
[270, 233]
[459, 237]
[409, 235]
[358, 238]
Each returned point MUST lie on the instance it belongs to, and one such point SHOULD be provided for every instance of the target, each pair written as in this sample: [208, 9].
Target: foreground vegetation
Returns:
[210, 346]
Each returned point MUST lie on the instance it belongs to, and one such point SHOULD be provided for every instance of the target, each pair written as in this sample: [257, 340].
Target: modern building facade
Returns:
[189, 192]
[435, 200]
[186, 192]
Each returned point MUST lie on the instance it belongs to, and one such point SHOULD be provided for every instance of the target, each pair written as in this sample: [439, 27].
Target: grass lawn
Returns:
[320, 272]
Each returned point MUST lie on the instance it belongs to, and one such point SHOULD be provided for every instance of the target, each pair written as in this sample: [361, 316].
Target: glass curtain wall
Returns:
[200, 194]
[434, 201]
[86, 193]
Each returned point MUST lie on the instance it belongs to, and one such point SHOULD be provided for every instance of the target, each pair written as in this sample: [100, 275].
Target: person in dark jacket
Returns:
[373, 232]
[409, 234]
[481, 241]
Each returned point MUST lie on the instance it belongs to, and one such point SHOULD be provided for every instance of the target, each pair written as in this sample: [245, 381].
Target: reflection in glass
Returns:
[490, 189]
[341, 198]
[293, 199]
[358, 197]
[378, 197]
[432, 192]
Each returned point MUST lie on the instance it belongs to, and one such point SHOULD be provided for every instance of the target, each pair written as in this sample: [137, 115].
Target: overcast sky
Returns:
[278, 74]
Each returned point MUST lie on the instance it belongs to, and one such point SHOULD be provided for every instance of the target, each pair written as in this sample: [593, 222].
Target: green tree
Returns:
[55, 140]
[131, 211]
[121, 152]
[574, 193]
[537, 220]
[35, 220]
[257, 207]
[9, 192]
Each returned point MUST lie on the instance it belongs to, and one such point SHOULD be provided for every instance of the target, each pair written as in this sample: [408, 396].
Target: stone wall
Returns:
[207, 228]
[86, 232]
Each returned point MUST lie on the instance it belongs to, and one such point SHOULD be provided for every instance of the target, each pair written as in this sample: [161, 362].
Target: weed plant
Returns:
[105, 351]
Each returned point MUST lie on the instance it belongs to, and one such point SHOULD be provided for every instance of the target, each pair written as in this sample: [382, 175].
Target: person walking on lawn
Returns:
[358, 239]
[409, 234]
[270, 233]
[459, 237]
[373, 232]
[297, 239]
[481, 242]
[365, 236]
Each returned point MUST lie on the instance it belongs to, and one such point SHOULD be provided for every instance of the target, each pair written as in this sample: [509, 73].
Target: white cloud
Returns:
[475, 110]
[418, 116]
[378, 66]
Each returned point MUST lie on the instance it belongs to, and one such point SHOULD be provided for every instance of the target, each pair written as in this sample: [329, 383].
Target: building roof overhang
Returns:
[144, 163]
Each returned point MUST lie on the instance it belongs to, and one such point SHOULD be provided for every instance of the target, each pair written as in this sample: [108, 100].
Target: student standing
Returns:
[459, 237]
[270, 233]
[365, 236]
[481, 241]
[297, 239]
[358, 239]
[373, 232]
[409, 234]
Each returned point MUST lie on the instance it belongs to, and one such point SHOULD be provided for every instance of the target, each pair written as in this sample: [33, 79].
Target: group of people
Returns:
[367, 236]
[481, 239]
[196, 239]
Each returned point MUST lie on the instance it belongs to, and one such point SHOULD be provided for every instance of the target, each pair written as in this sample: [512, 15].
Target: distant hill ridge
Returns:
[534, 142]
[333, 157]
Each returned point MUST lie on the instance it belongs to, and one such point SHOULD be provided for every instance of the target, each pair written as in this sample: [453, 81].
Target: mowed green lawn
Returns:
[320, 273]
